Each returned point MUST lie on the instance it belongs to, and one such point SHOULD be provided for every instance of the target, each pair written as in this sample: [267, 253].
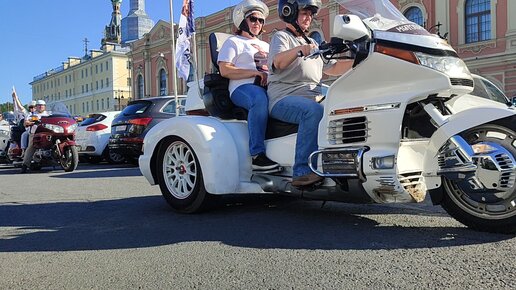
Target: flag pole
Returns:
[196, 64]
[173, 46]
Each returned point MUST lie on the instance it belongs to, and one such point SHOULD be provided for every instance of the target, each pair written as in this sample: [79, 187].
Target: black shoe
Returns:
[24, 169]
[262, 163]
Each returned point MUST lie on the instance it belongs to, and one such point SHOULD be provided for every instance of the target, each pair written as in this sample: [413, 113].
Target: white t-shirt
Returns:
[245, 53]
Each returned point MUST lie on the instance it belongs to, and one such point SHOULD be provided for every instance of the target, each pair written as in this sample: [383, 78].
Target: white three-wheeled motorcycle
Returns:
[389, 134]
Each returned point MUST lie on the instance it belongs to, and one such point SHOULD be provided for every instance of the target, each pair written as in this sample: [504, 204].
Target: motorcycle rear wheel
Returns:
[488, 211]
[180, 177]
[70, 159]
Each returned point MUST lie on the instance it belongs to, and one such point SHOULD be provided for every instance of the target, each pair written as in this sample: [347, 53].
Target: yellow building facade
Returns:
[95, 83]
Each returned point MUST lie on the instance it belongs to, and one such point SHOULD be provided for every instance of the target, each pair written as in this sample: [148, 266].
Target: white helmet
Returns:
[246, 8]
[40, 102]
[31, 104]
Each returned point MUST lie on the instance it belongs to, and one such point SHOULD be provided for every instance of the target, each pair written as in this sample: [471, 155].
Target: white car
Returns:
[92, 137]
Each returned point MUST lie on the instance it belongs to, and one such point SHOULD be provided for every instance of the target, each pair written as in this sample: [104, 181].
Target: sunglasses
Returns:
[253, 19]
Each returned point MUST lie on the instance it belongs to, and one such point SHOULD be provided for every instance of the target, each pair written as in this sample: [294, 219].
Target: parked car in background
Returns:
[92, 137]
[484, 88]
[484, 93]
[133, 123]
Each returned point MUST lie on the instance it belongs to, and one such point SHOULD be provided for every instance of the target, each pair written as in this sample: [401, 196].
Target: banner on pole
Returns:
[18, 110]
[185, 30]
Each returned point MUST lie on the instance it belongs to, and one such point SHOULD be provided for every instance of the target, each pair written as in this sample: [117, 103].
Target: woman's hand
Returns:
[263, 77]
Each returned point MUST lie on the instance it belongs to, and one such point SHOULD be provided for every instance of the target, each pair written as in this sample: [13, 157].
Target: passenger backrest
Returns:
[216, 40]
[216, 97]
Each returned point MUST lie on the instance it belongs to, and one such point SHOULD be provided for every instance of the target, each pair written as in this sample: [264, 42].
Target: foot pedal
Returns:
[269, 171]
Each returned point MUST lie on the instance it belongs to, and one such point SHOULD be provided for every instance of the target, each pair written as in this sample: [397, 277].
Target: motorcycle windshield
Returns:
[58, 110]
[382, 15]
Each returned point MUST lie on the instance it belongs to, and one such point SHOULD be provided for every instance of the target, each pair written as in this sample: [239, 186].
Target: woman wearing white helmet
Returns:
[294, 81]
[243, 60]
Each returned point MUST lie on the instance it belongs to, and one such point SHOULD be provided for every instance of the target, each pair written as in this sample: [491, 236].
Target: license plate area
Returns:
[120, 128]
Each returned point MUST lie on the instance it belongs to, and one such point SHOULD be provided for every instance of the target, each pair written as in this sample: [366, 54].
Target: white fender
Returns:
[454, 125]
[211, 141]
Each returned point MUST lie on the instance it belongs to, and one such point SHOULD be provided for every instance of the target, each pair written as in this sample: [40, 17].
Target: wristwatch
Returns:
[300, 53]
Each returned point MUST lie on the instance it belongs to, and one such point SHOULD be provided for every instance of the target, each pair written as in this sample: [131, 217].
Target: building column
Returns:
[442, 15]
[511, 26]
[147, 74]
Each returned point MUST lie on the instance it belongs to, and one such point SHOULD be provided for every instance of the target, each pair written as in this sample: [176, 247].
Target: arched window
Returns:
[140, 87]
[478, 20]
[162, 83]
[316, 36]
[415, 15]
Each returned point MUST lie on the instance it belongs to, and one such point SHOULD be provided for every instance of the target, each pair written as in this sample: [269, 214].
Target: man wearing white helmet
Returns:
[294, 81]
[29, 152]
[243, 60]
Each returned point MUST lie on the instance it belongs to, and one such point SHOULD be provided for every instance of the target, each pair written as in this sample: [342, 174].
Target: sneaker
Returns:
[262, 163]
[307, 179]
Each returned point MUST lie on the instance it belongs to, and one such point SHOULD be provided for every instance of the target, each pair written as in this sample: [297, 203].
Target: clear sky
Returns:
[38, 35]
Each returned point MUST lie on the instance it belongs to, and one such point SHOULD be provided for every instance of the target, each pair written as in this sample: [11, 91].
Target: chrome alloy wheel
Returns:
[491, 192]
[180, 171]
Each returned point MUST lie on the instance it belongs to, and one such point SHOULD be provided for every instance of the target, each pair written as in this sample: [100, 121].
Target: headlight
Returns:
[449, 65]
[55, 128]
[72, 128]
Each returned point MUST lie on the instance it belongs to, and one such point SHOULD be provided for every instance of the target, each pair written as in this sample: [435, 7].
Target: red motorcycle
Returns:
[53, 141]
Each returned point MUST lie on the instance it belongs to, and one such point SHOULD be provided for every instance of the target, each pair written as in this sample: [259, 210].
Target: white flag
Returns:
[19, 110]
[185, 30]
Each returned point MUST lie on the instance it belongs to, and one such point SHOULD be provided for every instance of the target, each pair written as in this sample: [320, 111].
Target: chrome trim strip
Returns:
[369, 108]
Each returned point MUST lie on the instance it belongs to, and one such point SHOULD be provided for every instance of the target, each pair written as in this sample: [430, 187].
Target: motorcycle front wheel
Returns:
[70, 158]
[488, 210]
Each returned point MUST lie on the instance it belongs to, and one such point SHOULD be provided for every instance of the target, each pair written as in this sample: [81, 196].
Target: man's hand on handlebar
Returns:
[307, 49]
[334, 50]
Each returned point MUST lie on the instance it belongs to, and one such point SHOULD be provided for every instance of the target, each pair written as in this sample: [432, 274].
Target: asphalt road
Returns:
[104, 227]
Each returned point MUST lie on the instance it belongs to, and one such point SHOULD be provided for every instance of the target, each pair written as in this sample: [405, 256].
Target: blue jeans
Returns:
[24, 139]
[307, 113]
[254, 99]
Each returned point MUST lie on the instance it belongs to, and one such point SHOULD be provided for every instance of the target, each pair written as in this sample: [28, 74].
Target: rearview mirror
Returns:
[514, 101]
[350, 27]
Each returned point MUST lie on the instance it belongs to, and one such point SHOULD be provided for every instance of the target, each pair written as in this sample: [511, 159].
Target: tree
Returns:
[5, 107]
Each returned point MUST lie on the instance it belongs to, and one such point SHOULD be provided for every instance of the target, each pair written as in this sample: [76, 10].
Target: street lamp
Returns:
[119, 96]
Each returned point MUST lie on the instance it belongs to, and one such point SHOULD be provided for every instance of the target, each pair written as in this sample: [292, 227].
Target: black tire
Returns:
[70, 159]
[182, 184]
[132, 160]
[487, 212]
[113, 157]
